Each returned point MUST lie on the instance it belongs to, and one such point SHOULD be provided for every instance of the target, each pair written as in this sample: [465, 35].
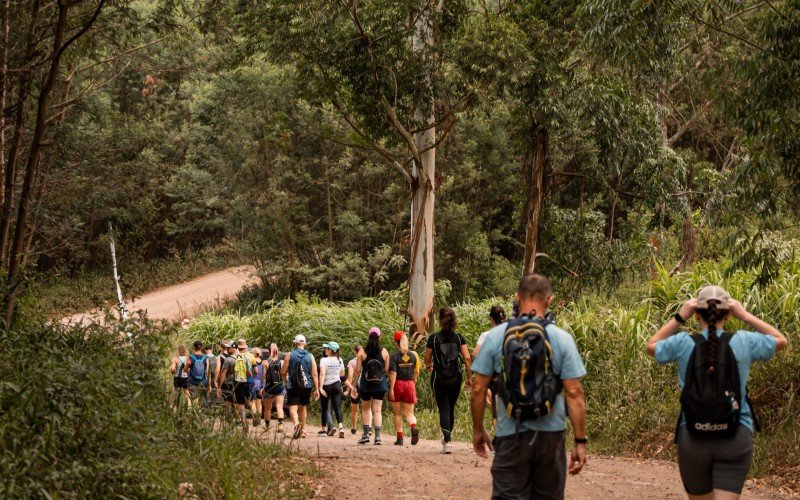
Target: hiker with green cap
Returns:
[331, 373]
[714, 432]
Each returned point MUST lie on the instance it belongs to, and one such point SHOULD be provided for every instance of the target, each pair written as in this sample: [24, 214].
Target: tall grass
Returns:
[632, 402]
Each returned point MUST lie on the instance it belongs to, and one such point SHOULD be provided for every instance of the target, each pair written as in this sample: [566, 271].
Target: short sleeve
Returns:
[762, 347]
[484, 362]
[392, 364]
[571, 362]
[429, 343]
[461, 340]
[667, 349]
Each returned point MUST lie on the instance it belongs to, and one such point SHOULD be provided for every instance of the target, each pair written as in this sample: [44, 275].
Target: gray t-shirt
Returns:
[228, 362]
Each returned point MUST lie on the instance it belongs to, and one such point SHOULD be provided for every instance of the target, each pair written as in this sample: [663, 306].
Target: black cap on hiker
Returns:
[198, 344]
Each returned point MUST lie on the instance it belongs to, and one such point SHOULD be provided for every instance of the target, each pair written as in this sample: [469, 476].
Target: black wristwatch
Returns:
[679, 318]
[582, 440]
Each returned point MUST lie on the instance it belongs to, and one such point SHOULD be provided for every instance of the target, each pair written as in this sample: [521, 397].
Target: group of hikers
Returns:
[528, 370]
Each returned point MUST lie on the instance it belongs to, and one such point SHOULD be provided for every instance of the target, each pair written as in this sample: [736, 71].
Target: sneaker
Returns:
[353, 432]
[446, 447]
[364, 439]
[322, 433]
[298, 431]
[377, 441]
[341, 432]
[331, 431]
[280, 427]
[414, 436]
[399, 441]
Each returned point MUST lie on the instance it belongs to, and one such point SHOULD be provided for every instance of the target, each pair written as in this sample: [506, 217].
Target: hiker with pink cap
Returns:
[372, 373]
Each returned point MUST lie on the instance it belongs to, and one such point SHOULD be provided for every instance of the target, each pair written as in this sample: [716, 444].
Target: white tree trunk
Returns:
[420, 280]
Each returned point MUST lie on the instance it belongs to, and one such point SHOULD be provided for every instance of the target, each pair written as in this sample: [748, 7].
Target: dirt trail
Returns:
[184, 299]
[354, 471]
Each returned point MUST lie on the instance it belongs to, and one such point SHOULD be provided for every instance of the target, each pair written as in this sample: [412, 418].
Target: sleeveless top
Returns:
[382, 386]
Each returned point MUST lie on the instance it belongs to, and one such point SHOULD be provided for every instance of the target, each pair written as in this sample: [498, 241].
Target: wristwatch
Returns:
[582, 440]
[679, 318]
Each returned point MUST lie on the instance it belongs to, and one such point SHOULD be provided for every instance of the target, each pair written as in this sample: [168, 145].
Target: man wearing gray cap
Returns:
[300, 371]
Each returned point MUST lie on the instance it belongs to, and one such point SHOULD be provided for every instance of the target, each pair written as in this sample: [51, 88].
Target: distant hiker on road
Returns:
[273, 388]
[352, 391]
[225, 383]
[444, 353]
[497, 316]
[535, 362]
[199, 372]
[180, 378]
[372, 373]
[331, 370]
[404, 368]
[714, 434]
[300, 371]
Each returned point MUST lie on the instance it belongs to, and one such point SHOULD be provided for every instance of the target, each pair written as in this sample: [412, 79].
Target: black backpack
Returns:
[527, 384]
[373, 370]
[298, 376]
[711, 402]
[274, 372]
[448, 358]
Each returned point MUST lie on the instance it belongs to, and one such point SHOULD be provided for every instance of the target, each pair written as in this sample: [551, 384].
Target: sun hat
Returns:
[299, 339]
[713, 293]
[398, 335]
[241, 344]
[375, 331]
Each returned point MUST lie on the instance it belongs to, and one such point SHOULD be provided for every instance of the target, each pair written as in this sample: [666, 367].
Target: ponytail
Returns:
[711, 315]
[402, 344]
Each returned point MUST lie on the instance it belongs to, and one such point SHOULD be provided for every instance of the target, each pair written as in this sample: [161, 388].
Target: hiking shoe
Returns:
[364, 439]
[446, 448]
[298, 431]
[341, 433]
[322, 433]
[378, 441]
[399, 441]
[414, 436]
[280, 428]
[331, 431]
[353, 432]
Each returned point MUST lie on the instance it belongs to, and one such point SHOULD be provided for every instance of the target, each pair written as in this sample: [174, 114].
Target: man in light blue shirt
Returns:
[530, 461]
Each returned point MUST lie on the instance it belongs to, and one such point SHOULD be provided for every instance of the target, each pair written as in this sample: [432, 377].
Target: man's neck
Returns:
[534, 307]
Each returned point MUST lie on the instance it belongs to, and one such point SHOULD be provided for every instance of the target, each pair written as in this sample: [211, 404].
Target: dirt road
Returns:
[184, 299]
[421, 471]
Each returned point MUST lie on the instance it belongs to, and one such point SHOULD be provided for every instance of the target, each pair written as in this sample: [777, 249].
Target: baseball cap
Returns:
[198, 344]
[398, 335]
[375, 331]
[299, 339]
[713, 293]
[333, 346]
[226, 343]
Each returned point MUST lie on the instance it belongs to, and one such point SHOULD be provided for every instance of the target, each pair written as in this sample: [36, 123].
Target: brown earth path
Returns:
[422, 472]
[183, 300]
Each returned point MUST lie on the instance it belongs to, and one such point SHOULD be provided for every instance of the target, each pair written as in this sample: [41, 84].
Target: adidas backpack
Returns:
[527, 383]
[711, 401]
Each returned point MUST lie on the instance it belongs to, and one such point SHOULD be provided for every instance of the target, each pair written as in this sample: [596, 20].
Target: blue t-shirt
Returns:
[567, 363]
[748, 347]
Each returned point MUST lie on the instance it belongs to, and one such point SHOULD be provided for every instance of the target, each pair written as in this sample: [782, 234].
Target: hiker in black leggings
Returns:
[331, 371]
[443, 355]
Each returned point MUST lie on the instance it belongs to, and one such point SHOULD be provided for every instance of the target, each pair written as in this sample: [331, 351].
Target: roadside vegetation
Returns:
[86, 415]
[632, 401]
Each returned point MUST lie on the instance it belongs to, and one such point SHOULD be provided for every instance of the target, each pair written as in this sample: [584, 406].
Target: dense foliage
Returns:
[85, 415]
[632, 402]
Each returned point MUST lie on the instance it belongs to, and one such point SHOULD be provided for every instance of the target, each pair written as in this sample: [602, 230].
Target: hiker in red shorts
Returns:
[404, 367]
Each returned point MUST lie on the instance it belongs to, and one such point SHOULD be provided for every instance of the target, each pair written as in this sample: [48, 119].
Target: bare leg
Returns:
[279, 409]
[353, 416]
[377, 415]
[366, 413]
[408, 413]
[293, 415]
[709, 496]
[725, 495]
[397, 416]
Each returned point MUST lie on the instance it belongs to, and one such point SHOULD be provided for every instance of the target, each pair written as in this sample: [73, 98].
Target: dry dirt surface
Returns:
[351, 470]
[184, 300]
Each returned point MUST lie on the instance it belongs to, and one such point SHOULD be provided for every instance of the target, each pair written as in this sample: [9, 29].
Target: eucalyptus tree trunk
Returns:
[420, 279]
[534, 166]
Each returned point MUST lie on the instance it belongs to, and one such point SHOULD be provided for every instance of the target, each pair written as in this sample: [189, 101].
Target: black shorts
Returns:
[370, 395]
[227, 392]
[531, 466]
[180, 382]
[241, 393]
[714, 464]
[196, 390]
[355, 401]
[301, 396]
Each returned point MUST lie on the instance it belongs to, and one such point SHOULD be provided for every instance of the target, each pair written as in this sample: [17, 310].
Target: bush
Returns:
[85, 415]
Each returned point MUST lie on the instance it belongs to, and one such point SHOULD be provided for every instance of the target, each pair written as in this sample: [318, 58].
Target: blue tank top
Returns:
[304, 358]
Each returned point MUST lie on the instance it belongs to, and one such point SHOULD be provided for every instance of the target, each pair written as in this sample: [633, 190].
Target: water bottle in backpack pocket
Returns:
[197, 373]
[528, 384]
[448, 357]
[711, 398]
